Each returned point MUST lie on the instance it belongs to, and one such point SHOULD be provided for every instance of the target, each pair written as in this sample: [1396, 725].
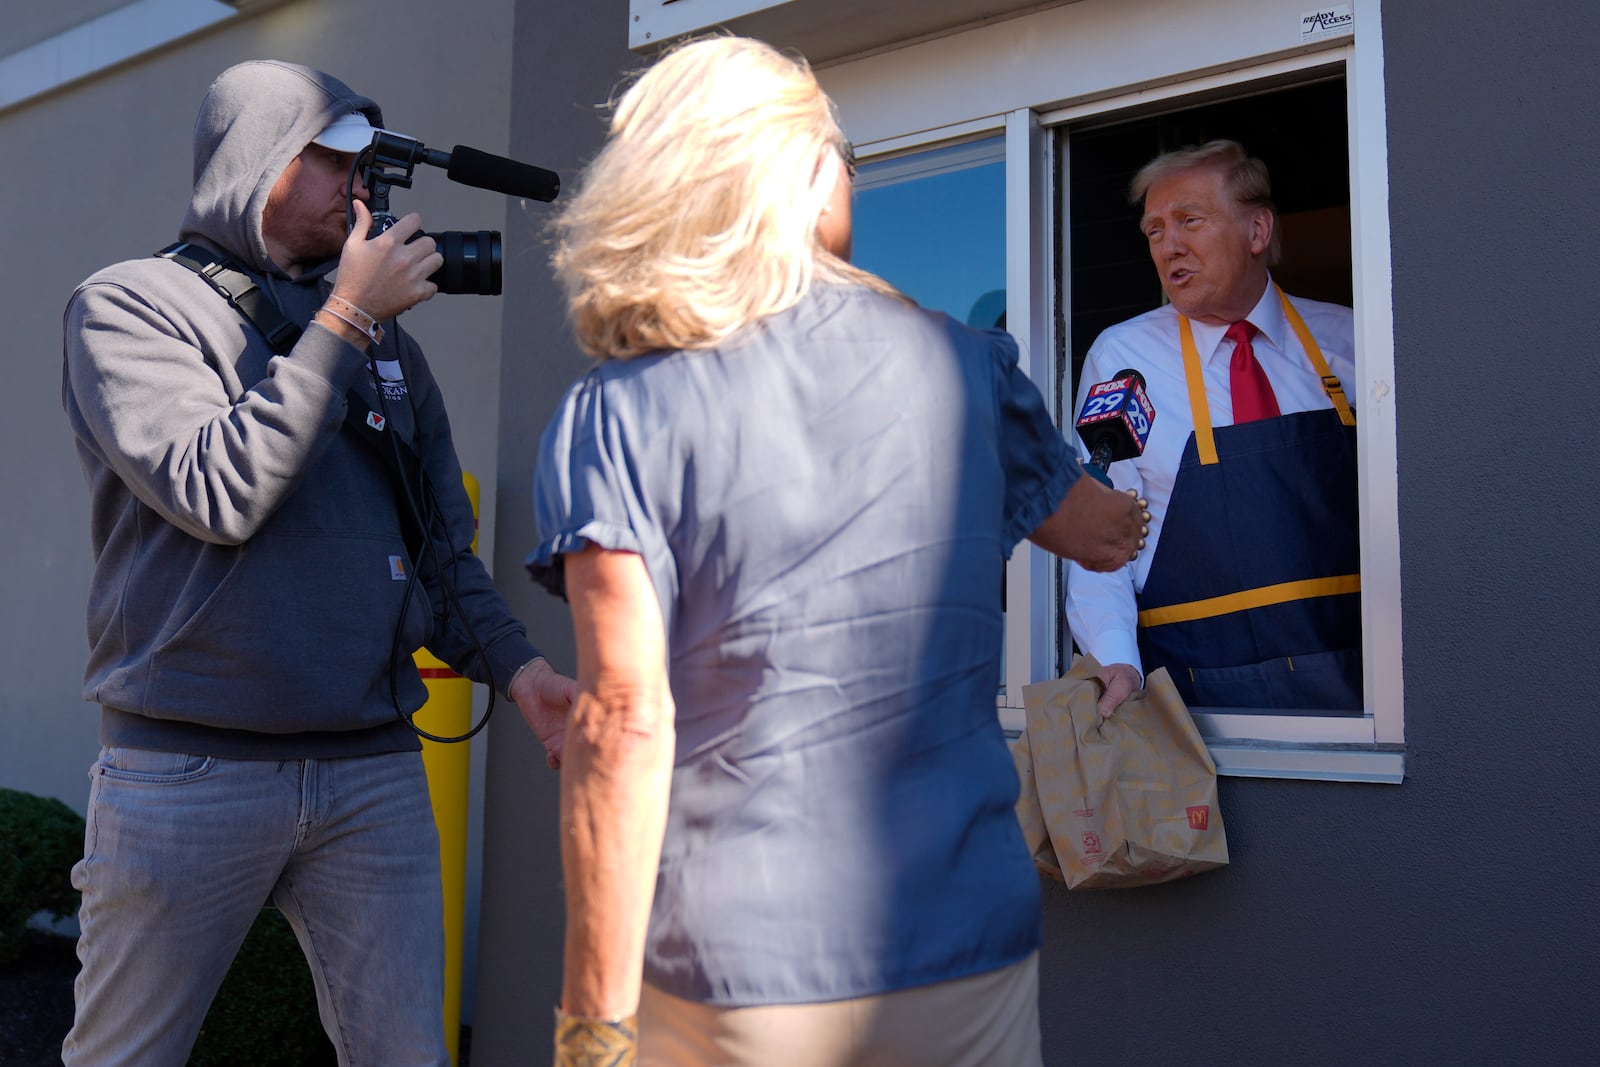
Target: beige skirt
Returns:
[988, 1020]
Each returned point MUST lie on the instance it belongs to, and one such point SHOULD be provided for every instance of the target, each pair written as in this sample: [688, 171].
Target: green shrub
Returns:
[40, 839]
[265, 1013]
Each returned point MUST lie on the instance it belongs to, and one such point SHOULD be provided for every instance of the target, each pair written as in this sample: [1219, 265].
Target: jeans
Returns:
[182, 852]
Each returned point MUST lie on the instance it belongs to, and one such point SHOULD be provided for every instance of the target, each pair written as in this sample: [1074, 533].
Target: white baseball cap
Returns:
[348, 133]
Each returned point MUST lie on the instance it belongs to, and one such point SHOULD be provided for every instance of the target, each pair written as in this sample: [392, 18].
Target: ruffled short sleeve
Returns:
[1039, 465]
[586, 485]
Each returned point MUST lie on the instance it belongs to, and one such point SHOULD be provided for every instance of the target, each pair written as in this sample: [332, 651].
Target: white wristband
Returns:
[342, 309]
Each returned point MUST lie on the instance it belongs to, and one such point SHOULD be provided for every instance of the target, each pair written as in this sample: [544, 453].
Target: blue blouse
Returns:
[823, 504]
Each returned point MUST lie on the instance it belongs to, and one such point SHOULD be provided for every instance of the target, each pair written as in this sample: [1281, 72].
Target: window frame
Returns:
[878, 93]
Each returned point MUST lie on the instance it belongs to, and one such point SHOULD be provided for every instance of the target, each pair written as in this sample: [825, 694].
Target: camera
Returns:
[472, 259]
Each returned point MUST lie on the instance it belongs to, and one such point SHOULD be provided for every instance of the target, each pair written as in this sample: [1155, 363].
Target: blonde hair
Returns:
[1245, 175]
[699, 216]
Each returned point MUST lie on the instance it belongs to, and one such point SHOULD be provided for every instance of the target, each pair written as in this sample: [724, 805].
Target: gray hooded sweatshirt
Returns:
[250, 594]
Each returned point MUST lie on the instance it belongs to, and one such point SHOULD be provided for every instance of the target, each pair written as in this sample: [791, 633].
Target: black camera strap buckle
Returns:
[239, 289]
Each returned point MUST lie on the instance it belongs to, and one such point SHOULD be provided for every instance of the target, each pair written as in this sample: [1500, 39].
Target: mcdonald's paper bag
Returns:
[1125, 801]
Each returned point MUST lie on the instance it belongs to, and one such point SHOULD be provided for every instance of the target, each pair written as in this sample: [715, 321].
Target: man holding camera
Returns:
[278, 521]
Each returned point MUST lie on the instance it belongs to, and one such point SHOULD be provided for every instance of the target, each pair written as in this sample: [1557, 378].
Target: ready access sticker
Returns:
[1327, 21]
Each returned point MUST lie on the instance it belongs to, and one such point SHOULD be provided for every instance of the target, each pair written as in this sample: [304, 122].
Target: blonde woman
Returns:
[780, 503]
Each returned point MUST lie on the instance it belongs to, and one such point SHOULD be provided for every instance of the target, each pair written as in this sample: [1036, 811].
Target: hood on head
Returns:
[257, 117]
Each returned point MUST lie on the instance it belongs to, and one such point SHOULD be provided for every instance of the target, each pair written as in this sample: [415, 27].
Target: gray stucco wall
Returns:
[568, 58]
[1451, 919]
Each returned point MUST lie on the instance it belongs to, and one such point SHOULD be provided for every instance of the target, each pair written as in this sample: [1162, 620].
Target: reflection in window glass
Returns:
[933, 224]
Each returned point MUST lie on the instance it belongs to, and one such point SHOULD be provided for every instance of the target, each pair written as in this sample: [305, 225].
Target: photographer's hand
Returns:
[545, 699]
[385, 276]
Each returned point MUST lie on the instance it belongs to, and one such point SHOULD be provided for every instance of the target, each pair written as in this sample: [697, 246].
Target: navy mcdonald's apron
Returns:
[1253, 599]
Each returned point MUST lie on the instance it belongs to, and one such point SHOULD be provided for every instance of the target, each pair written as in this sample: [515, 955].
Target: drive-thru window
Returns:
[995, 159]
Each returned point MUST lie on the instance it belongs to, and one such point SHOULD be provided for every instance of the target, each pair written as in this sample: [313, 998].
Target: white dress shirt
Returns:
[1101, 610]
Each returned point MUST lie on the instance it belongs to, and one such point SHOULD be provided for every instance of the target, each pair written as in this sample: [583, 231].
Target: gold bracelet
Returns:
[342, 309]
[581, 1042]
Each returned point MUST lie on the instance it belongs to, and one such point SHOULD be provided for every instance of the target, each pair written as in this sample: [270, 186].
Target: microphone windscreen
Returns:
[484, 171]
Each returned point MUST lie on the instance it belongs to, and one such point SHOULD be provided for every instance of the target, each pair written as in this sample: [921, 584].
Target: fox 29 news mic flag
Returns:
[1115, 421]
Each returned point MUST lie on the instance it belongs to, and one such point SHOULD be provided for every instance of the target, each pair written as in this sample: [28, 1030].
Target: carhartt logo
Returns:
[375, 420]
[1324, 22]
[1199, 816]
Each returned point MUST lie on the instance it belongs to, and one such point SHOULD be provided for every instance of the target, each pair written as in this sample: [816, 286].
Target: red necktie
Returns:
[1252, 394]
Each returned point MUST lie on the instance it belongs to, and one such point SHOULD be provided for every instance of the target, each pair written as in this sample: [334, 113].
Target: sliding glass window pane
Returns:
[933, 224]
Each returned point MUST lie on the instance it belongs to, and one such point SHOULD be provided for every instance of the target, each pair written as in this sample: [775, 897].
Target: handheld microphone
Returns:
[1115, 421]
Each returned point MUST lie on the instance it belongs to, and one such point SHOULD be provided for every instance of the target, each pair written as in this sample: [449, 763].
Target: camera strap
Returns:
[239, 289]
[369, 425]
[252, 302]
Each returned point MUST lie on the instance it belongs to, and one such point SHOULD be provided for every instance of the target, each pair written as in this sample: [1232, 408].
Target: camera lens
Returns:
[471, 262]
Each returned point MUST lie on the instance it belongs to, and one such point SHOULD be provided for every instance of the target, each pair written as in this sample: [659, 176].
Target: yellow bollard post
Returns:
[448, 713]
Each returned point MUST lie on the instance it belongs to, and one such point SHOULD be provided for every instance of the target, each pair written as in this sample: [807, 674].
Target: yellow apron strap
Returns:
[1281, 593]
[1204, 443]
[1330, 383]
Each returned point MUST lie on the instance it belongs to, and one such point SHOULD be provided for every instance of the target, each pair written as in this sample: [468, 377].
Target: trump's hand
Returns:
[1121, 681]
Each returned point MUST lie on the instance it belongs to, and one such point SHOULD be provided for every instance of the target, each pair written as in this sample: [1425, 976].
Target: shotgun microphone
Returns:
[467, 166]
[481, 170]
